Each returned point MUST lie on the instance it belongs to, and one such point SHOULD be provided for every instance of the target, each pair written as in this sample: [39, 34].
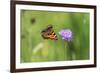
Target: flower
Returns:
[66, 34]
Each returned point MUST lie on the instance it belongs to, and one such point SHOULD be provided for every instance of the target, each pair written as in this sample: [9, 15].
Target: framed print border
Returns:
[13, 35]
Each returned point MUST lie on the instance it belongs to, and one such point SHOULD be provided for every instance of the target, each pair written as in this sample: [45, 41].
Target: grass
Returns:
[35, 49]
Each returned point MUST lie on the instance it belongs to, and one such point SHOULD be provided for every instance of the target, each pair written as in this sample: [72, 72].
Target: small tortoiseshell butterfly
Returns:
[48, 33]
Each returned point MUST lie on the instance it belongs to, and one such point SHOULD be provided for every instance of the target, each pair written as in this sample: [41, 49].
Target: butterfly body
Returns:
[48, 33]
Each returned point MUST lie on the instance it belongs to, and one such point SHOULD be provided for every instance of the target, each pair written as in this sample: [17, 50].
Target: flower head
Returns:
[66, 34]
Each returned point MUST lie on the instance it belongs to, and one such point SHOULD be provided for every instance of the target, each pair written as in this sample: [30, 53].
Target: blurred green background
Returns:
[35, 49]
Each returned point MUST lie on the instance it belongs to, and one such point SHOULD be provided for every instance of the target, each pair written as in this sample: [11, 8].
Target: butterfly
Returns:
[48, 33]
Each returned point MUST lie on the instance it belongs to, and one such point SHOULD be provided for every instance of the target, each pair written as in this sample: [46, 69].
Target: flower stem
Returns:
[70, 51]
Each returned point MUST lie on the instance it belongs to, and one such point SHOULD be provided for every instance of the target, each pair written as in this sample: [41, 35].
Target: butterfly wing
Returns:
[53, 36]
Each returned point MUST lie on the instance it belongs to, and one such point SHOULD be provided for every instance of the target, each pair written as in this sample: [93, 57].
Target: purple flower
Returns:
[66, 34]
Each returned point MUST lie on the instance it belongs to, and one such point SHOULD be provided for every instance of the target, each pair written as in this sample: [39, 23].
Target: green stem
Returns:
[70, 51]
